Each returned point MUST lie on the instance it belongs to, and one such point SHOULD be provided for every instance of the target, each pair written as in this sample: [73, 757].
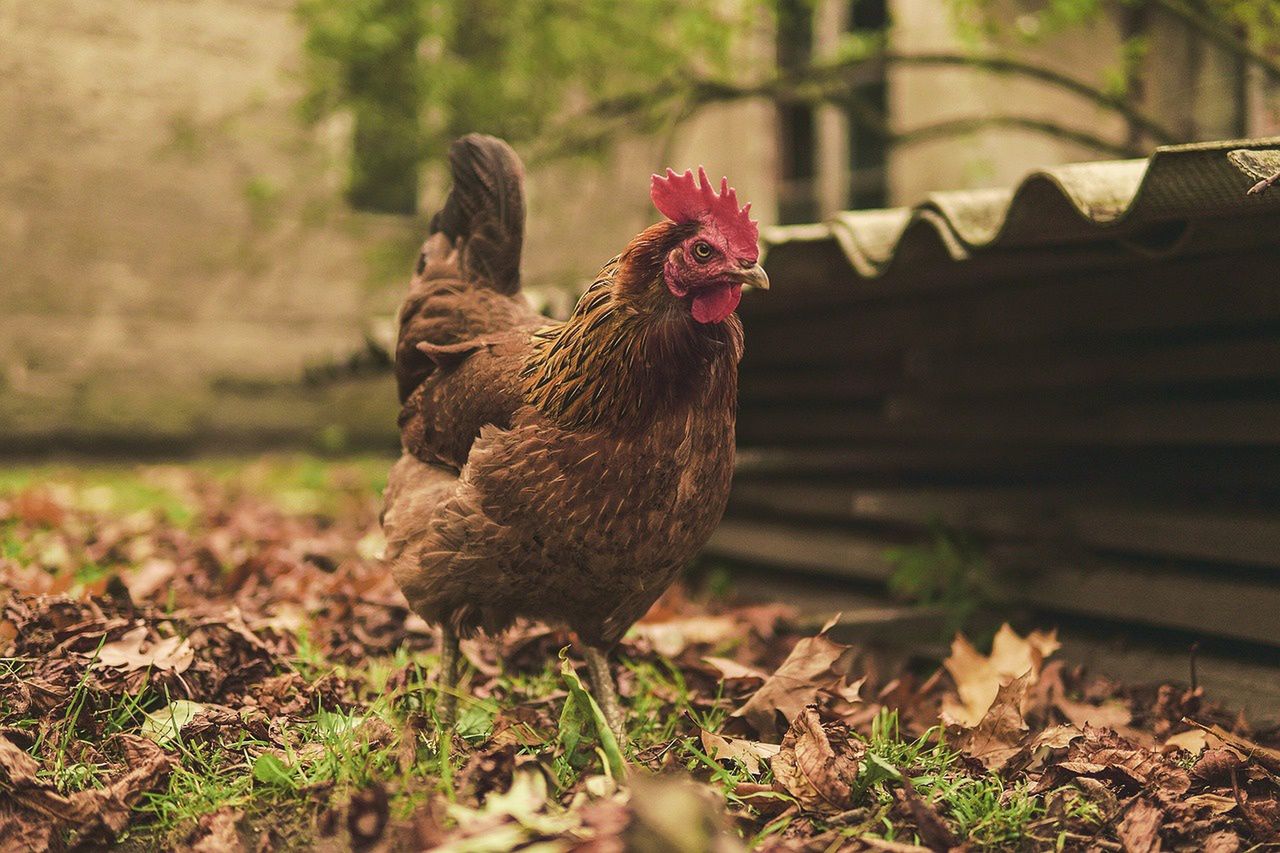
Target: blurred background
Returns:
[990, 378]
[209, 208]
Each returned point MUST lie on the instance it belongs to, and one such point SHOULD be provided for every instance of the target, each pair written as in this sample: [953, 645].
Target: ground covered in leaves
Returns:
[210, 657]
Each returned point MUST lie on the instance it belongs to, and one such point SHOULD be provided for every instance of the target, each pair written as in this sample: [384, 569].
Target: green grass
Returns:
[296, 483]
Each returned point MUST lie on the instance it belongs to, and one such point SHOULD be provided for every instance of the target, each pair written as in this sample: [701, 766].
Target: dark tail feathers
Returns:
[484, 214]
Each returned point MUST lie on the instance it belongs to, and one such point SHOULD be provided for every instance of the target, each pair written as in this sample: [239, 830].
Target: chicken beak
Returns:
[756, 277]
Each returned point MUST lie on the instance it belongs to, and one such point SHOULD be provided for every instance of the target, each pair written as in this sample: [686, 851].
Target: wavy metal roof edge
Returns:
[1068, 204]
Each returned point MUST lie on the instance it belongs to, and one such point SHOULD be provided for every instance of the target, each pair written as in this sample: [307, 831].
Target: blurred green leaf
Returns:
[581, 709]
[163, 725]
[270, 770]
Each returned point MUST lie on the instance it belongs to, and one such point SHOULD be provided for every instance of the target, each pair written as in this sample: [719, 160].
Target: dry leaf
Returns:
[818, 764]
[1216, 766]
[1105, 754]
[1193, 741]
[95, 813]
[731, 670]
[870, 842]
[749, 753]
[21, 832]
[1263, 817]
[216, 832]
[1056, 737]
[165, 724]
[1109, 715]
[367, 815]
[1222, 842]
[673, 637]
[1000, 734]
[151, 576]
[1216, 803]
[1267, 757]
[1139, 832]
[169, 654]
[816, 663]
[979, 677]
[672, 813]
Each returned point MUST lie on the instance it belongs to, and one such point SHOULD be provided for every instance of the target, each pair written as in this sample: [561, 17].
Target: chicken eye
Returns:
[702, 251]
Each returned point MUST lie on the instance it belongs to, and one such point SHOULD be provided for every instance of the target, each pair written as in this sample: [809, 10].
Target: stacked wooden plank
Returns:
[1082, 376]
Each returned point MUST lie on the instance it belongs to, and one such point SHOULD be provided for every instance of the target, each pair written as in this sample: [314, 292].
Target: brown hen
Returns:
[563, 472]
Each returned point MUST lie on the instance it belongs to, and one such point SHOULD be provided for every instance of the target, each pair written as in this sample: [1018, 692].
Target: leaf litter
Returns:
[229, 667]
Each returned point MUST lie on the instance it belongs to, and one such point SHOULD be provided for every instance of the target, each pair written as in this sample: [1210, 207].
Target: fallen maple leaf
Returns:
[816, 663]
[979, 677]
[1001, 732]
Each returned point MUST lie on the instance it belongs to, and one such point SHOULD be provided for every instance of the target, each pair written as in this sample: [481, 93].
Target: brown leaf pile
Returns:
[213, 628]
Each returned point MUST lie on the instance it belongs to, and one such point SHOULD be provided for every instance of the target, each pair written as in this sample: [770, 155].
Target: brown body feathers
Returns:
[563, 472]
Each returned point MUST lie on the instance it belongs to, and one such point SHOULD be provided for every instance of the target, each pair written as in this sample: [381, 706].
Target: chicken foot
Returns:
[447, 680]
[606, 692]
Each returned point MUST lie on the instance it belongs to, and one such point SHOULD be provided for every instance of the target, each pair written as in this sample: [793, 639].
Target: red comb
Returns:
[682, 198]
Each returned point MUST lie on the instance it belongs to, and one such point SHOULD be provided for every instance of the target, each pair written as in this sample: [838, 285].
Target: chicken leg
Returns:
[606, 692]
[447, 680]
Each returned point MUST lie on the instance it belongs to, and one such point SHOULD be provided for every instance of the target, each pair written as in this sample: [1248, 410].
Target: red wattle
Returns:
[714, 304]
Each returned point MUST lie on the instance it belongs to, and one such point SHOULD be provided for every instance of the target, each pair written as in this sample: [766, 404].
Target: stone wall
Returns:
[173, 247]
[165, 222]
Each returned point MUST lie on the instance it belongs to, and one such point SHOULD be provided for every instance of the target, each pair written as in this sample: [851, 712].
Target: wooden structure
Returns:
[1083, 374]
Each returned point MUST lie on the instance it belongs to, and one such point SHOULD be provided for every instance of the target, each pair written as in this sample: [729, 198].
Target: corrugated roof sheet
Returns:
[1159, 206]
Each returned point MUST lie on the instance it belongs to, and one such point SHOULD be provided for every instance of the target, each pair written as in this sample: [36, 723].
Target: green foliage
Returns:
[1258, 20]
[567, 76]
[949, 571]
[364, 58]
[270, 770]
[581, 716]
[263, 196]
[414, 74]
[1034, 22]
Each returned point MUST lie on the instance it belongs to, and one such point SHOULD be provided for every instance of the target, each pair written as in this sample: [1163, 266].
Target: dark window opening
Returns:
[797, 129]
[868, 148]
